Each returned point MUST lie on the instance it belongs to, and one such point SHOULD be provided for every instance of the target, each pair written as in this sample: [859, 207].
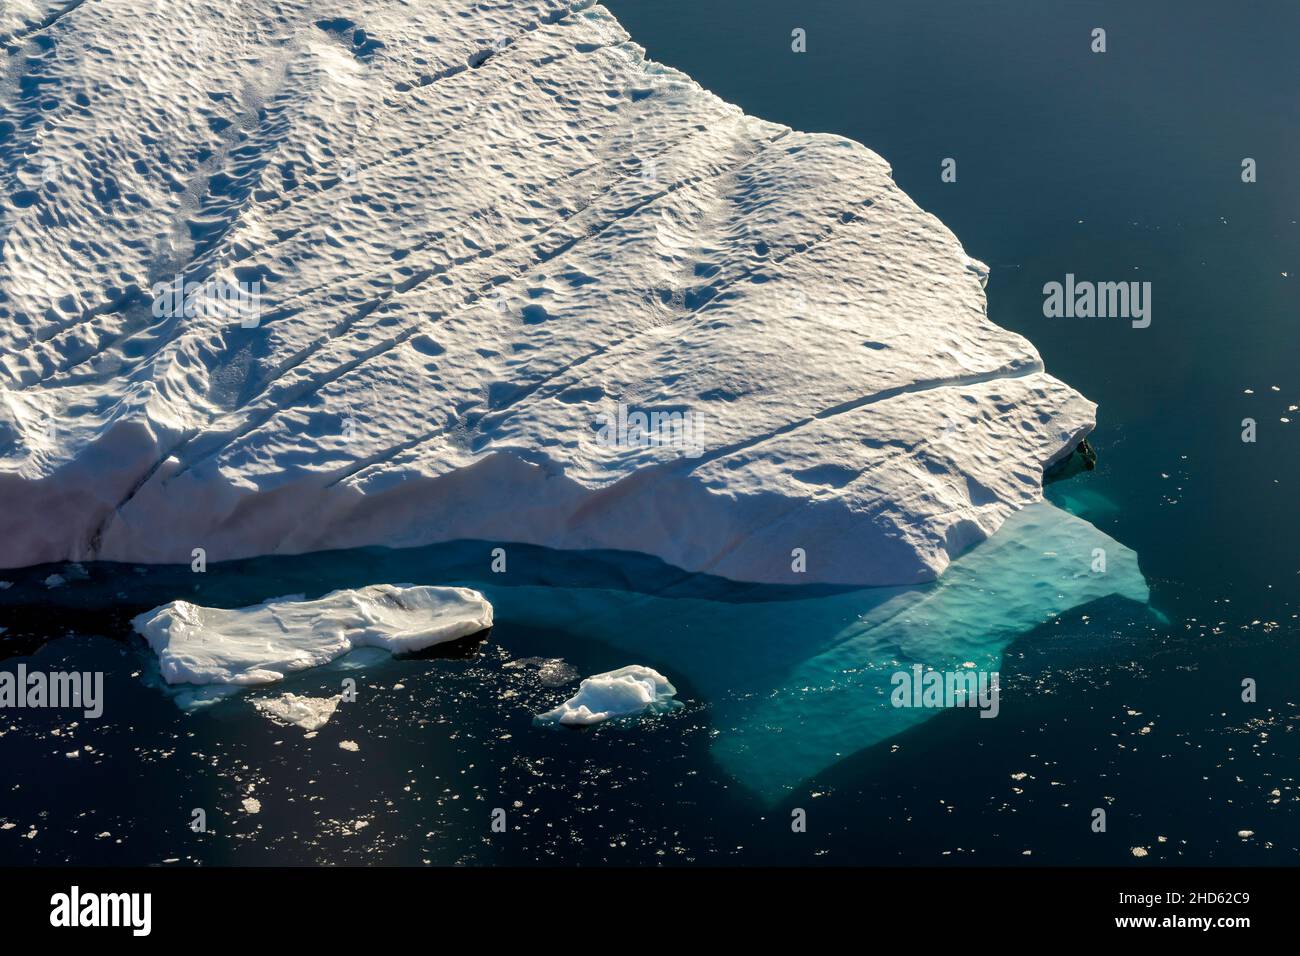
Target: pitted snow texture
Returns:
[477, 227]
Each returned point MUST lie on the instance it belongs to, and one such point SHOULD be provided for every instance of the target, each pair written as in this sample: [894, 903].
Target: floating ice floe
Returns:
[568, 297]
[309, 713]
[263, 643]
[624, 692]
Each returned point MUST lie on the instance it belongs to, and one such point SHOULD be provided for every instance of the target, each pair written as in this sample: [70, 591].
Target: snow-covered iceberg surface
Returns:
[263, 643]
[20, 18]
[418, 272]
[618, 693]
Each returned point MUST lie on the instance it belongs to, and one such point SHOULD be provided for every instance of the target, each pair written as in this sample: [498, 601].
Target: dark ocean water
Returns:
[1114, 166]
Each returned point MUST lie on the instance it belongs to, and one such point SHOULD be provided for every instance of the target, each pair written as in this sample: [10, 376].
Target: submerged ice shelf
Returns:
[794, 686]
[792, 679]
[478, 232]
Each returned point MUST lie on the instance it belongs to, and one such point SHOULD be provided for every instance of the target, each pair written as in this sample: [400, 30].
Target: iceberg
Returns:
[262, 643]
[454, 271]
[461, 270]
[625, 692]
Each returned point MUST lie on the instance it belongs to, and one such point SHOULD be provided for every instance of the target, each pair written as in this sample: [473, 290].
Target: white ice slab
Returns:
[625, 692]
[263, 643]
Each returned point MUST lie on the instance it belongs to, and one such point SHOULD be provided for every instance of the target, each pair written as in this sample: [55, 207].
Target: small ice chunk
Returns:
[252, 805]
[262, 643]
[349, 745]
[620, 693]
[309, 713]
[55, 581]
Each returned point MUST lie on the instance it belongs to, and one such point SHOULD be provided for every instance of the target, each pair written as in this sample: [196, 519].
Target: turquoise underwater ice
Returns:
[793, 678]
[795, 685]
